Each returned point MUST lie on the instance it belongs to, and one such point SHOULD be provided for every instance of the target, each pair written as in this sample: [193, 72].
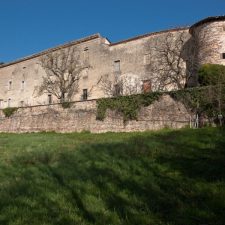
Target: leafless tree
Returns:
[167, 63]
[119, 85]
[63, 71]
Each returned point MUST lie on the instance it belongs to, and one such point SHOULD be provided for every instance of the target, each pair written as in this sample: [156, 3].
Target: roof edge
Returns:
[150, 34]
[68, 44]
[206, 20]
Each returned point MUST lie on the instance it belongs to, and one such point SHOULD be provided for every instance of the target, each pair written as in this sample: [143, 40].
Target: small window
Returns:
[22, 85]
[86, 54]
[1, 103]
[146, 59]
[147, 86]
[223, 55]
[49, 99]
[117, 90]
[10, 85]
[85, 73]
[117, 66]
[9, 102]
[85, 94]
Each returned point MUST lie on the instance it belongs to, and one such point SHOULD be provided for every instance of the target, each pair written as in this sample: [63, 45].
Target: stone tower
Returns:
[209, 40]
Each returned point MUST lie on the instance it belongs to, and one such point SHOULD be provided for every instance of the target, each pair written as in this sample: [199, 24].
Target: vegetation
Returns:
[203, 100]
[211, 74]
[127, 105]
[63, 71]
[66, 105]
[9, 111]
[208, 101]
[163, 178]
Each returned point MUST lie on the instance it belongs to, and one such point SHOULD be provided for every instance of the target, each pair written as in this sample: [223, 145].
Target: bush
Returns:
[211, 74]
[9, 111]
[128, 106]
[66, 105]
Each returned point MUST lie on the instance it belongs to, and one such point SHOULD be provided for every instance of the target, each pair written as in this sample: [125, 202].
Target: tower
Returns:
[209, 40]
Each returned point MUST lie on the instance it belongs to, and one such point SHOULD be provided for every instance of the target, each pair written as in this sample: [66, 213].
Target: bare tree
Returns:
[127, 84]
[167, 61]
[63, 71]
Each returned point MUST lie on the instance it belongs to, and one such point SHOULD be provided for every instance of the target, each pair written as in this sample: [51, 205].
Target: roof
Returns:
[91, 37]
[95, 36]
[207, 20]
[149, 34]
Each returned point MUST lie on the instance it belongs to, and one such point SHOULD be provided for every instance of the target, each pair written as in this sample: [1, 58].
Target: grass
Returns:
[151, 178]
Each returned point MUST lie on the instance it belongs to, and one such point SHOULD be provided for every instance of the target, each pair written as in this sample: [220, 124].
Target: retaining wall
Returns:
[81, 116]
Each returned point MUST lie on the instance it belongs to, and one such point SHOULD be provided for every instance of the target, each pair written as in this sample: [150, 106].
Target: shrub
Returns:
[9, 111]
[211, 74]
[127, 105]
[66, 105]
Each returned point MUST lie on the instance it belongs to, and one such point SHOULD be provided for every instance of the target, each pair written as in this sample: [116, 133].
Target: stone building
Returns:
[137, 60]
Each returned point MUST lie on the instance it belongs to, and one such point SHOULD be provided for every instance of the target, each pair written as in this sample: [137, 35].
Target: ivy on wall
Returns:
[66, 105]
[9, 111]
[127, 105]
[208, 100]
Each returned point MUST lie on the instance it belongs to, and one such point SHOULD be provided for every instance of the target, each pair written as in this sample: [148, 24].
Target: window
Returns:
[85, 73]
[146, 59]
[10, 85]
[117, 66]
[22, 85]
[147, 86]
[117, 90]
[9, 102]
[223, 56]
[86, 54]
[21, 103]
[49, 99]
[1, 103]
[85, 94]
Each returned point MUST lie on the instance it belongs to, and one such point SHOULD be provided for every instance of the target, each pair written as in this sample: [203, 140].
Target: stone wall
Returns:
[211, 42]
[81, 116]
[97, 56]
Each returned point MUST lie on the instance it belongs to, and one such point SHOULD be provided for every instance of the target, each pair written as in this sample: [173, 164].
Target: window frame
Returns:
[49, 99]
[9, 85]
[85, 94]
[147, 58]
[22, 85]
[117, 66]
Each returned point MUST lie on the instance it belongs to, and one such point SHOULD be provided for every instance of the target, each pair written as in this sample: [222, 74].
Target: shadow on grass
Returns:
[173, 177]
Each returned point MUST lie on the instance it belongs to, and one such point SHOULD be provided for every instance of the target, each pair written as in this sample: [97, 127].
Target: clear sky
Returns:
[30, 26]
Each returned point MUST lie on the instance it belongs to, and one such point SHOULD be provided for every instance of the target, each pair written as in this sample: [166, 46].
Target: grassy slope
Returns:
[167, 177]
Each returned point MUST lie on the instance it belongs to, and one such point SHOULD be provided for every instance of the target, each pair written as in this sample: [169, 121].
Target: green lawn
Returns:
[152, 178]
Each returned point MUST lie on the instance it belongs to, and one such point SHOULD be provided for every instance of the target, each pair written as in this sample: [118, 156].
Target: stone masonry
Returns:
[81, 116]
[20, 79]
[204, 42]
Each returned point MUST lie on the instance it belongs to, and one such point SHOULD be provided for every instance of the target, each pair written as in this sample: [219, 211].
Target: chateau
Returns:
[139, 59]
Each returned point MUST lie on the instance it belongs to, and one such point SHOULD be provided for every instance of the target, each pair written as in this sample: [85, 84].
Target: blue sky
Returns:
[30, 26]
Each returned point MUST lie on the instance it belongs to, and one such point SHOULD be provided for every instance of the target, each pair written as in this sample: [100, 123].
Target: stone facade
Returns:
[81, 116]
[132, 57]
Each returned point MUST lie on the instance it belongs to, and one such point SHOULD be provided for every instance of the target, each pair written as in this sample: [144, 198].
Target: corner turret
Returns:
[209, 40]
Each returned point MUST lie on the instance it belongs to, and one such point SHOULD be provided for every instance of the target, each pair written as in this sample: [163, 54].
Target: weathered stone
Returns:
[81, 116]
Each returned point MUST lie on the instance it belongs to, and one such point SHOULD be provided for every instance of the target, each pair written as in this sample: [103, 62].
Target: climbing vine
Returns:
[207, 100]
[204, 100]
[66, 105]
[9, 111]
[127, 105]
